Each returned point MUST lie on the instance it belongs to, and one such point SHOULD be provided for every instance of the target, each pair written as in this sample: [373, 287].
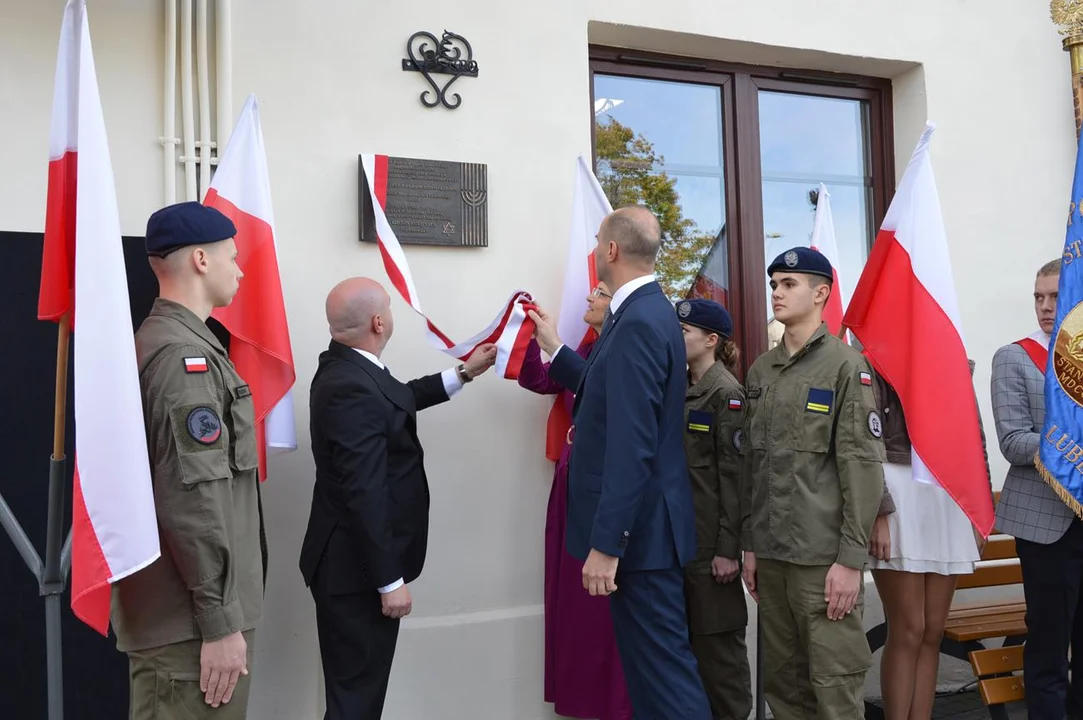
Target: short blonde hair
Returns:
[1050, 268]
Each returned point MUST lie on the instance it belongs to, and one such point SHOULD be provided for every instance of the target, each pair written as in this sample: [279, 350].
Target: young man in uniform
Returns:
[714, 413]
[187, 620]
[813, 483]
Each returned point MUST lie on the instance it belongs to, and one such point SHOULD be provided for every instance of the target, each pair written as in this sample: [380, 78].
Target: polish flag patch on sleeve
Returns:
[866, 378]
[195, 364]
[735, 404]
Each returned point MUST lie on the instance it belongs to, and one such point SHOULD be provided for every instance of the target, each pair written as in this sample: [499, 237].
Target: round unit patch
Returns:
[684, 309]
[875, 426]
[204, 426]
[738, 439]
[790, 259]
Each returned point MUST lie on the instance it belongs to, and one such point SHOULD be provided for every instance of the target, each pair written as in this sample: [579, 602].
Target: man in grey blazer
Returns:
[1049, 537]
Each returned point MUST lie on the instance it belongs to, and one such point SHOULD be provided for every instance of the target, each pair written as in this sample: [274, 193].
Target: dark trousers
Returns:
[652, 638]
[1052, 580]
[357, 647]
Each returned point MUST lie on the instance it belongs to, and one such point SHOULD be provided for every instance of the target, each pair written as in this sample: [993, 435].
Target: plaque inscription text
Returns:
[430, 202]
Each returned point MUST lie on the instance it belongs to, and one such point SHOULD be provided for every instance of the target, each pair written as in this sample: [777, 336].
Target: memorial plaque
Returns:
[430, 202]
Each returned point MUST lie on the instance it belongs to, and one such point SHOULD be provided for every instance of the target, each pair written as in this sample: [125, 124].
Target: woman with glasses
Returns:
[583, 674]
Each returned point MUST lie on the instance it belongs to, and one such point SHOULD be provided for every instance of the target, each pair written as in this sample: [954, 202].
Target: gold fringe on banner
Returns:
[1065, 496]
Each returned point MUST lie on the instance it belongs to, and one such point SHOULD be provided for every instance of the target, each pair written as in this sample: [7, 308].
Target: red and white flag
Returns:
[256, 319]
[114, 528]
[589, 208]
[511, 330]
[823, 240]
[712, 281]
[905, 313]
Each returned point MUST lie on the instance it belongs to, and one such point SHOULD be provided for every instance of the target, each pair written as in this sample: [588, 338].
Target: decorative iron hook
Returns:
[451, 55]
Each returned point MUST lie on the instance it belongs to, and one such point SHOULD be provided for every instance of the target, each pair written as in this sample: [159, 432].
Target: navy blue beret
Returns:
[801, 260]
[706, 314]
[184, 224]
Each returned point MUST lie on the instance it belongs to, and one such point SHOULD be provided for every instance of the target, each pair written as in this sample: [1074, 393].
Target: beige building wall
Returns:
[329, 80]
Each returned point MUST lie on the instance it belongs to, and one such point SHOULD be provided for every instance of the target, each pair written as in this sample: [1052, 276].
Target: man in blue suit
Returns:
[629, 497]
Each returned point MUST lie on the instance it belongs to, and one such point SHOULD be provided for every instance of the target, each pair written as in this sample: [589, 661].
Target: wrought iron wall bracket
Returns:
[450, 55]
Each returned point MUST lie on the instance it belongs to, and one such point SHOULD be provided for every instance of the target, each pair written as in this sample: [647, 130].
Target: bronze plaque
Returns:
[430, 202]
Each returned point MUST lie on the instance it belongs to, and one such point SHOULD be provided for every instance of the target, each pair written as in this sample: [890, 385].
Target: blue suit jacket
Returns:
[629, 494]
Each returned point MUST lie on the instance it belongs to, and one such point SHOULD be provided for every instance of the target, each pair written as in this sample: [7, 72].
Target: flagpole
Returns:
[1069, 19]
[54, 575]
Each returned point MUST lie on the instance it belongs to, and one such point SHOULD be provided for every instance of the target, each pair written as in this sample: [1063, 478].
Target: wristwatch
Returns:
[461, 369]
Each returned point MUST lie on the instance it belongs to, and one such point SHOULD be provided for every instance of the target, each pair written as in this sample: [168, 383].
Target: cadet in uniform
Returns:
[186, 621]
[813, 483]
[714, 413]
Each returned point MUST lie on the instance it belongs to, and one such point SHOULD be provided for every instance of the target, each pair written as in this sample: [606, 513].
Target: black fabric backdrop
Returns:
[95, 674]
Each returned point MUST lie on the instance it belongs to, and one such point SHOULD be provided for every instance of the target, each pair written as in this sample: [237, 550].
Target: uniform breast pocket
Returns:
[699, 432]
[754, 431]
[816, 419]
[242, 446]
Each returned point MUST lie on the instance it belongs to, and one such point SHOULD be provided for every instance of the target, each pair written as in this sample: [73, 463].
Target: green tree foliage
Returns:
[632, 173]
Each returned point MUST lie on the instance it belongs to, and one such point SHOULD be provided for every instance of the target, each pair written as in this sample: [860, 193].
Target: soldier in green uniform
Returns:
[714, 414]
[186, 621]
[813, 483]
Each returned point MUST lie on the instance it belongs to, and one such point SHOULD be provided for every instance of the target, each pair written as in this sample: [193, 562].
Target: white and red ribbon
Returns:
[511, 330]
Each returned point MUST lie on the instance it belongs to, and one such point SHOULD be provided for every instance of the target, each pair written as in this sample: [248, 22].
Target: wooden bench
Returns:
[969, 626]
[999, 679]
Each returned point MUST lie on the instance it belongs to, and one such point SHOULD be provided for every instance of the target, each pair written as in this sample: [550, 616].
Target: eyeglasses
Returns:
[598, 292]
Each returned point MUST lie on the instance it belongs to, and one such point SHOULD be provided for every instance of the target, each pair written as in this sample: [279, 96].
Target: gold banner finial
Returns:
[1068, 17]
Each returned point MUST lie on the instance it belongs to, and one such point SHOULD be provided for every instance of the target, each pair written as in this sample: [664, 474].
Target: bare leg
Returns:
[903, 598]
[939, 590]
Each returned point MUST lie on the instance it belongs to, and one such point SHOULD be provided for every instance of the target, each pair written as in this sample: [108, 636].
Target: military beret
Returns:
[706, 314]
[801, 260]
[185, 224]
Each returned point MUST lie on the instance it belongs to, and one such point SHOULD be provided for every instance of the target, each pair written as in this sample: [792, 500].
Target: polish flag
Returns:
[905, 313]
[589, 208]
[712, 281]
[256, 319]
[823, 240]
[114, 527]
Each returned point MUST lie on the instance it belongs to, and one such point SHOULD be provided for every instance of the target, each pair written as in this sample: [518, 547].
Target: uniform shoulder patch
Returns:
[875, 426]
[738, 439]
[195, 364]
[866, 378]
[735, 404]
[204, 425]
[243, 391]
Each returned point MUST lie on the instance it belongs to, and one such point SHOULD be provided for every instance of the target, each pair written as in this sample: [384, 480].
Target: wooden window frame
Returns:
[740, 85]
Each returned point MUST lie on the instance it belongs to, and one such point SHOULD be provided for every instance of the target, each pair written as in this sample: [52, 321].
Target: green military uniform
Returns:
[717, 613]
[209, 581]
[813, 483]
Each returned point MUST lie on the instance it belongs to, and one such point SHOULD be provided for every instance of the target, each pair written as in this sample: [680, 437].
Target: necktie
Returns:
[606, 318]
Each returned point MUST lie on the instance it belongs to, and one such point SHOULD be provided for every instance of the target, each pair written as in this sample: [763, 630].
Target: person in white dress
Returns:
[918, 549]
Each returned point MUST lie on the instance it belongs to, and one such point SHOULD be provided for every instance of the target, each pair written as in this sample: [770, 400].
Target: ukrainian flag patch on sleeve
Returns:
[819, 401]
[700, 421]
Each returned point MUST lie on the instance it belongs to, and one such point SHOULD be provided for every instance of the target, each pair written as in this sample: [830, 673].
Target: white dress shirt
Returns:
[452, 385]
[621, 295]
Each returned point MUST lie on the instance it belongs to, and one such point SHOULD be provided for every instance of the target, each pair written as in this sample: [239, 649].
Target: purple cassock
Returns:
[583, 675]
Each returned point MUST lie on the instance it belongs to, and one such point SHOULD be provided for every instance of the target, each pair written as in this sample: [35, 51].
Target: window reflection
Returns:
[806, 140]
[659, 143]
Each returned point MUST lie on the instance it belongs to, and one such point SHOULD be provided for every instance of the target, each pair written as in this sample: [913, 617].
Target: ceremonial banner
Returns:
[1060, 454]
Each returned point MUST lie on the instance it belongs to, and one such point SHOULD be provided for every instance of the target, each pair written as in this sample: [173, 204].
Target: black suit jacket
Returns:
[370, 504]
